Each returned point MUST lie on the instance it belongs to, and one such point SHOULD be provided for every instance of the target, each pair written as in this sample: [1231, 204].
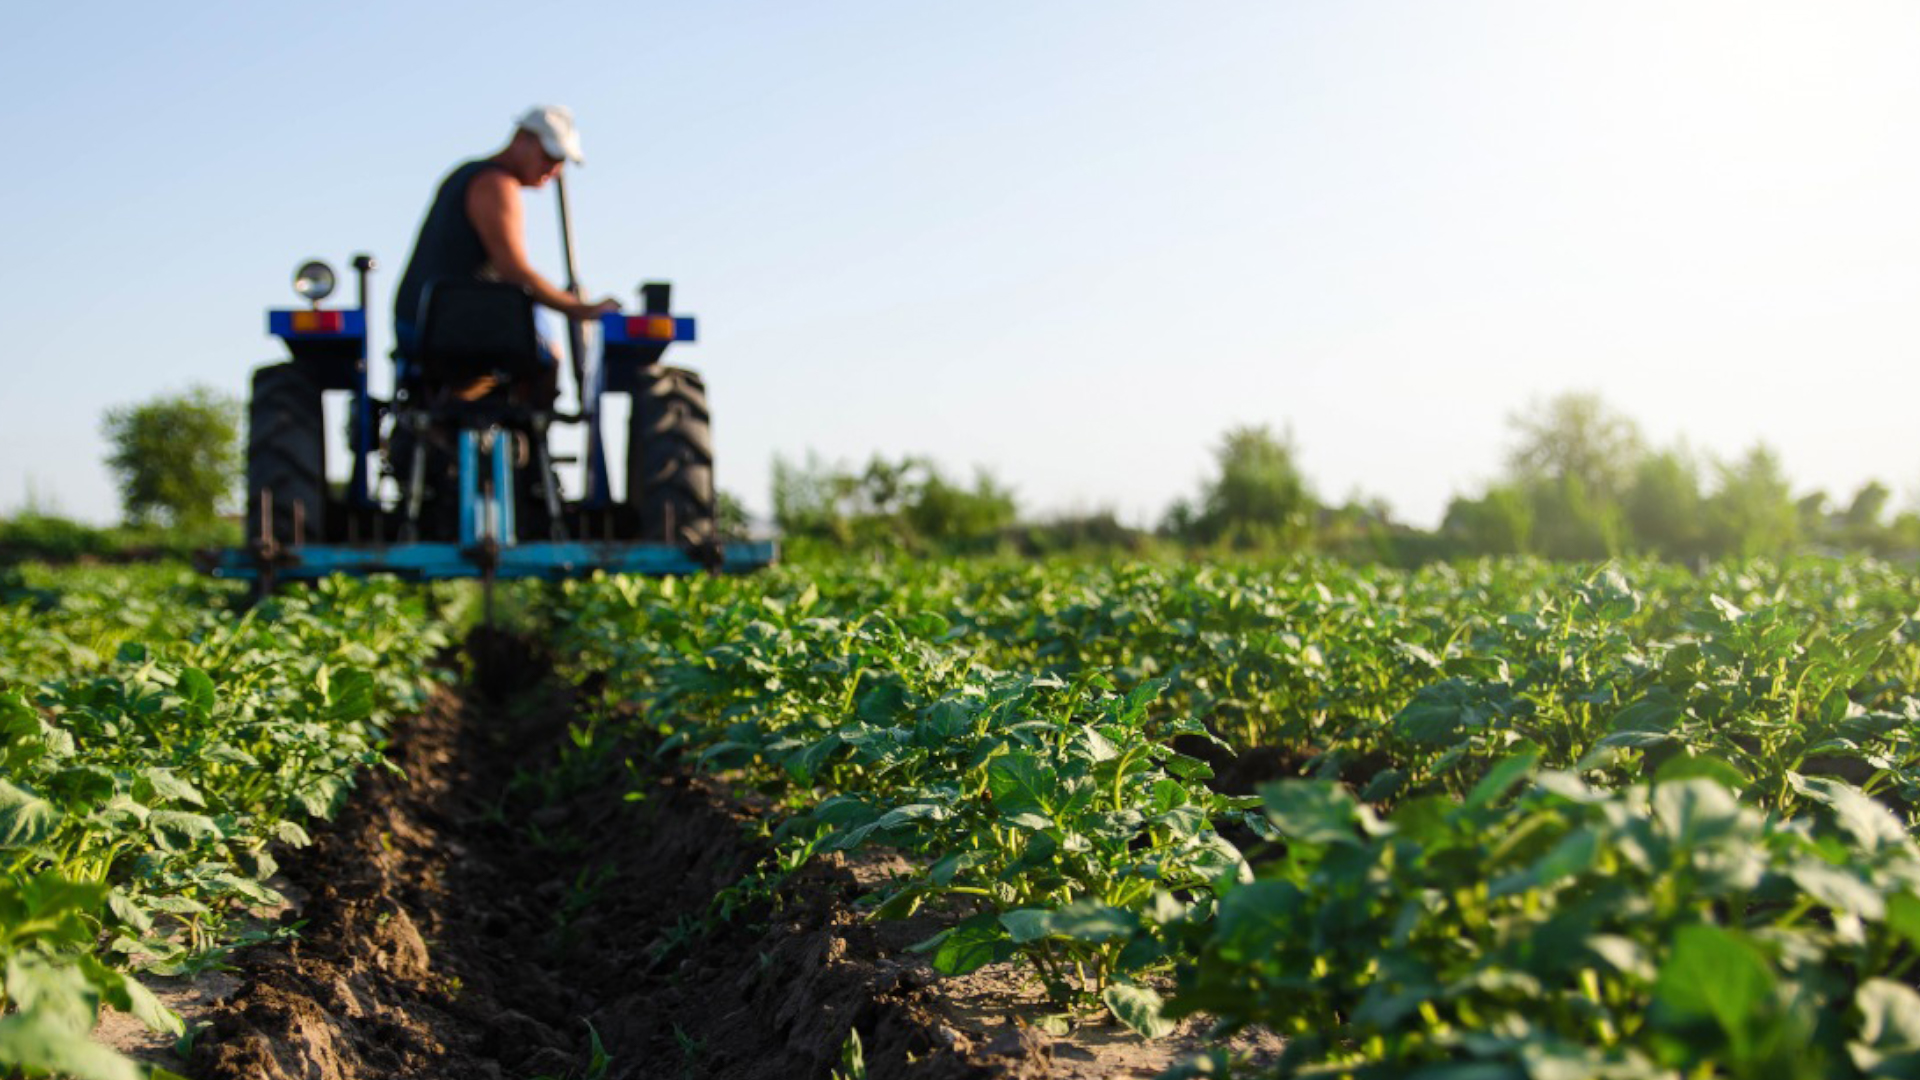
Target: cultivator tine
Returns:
[543, 461]
[266, 551]
[416, 479]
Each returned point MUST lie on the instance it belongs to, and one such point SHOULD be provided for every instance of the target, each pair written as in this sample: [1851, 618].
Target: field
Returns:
[945, 819]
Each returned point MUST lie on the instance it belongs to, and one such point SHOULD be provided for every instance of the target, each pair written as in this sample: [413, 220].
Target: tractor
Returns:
[449, 485]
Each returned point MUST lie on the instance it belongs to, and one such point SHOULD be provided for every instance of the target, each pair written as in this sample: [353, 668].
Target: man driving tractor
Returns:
[464, 437]
[475, 229]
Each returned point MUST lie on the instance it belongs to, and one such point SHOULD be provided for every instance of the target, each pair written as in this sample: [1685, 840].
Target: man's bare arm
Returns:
[493, 205]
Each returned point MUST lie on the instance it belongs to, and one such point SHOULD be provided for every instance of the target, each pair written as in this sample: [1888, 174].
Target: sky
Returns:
[1071, 243]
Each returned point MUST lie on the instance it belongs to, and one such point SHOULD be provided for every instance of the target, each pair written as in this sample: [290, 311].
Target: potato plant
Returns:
[154, 746]
[1011, 727]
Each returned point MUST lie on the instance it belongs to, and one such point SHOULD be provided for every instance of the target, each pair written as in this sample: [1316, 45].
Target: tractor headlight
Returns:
[313, 281]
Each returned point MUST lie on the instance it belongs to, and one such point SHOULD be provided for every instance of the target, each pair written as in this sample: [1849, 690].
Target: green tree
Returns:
[1663, 506]
[1752, 512]
[731, 514]
[1577, 435]
[1571, 521]
[1861, 526]
[906, 502]
[945, 511]
[1499, 522]
[1572, 463]
[1868, 504]
[176, 459]
[1259, 496]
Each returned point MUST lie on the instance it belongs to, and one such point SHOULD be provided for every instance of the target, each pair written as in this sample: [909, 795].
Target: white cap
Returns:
[553, 125]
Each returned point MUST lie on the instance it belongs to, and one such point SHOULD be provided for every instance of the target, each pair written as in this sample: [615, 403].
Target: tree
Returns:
[730, 514]
[1752, 512]
[1567, 474]
[1259, 496]
[945, 511]
[1573, 522]
[893, 503]
[1498, 523]
[1663, 507]
[176, 459]
[1867, 506]
[1575, 435]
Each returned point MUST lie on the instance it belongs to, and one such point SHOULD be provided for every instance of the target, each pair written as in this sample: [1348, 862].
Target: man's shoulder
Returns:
[495, 181]
[469, 169]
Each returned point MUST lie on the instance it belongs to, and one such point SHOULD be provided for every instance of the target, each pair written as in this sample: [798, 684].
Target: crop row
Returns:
[1579, 793]
[155, 745]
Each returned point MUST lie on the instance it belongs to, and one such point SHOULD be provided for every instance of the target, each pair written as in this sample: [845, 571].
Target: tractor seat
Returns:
[478, 330]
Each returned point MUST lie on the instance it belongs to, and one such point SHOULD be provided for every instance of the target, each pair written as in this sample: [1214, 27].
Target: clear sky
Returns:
[1072, 242]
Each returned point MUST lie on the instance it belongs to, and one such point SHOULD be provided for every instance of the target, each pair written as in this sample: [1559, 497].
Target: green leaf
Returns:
[969, 946]
[892, 819]
[1688, 766]
[1311, 811]
[1258, 918]
[171, 786]
[1027, 924]
[1187, 768]
[1697, 810]
[1636, 740]
[1858, 814]
[1502, 777]
[130, 996]
[1084, 920]
[1138, 1008]
[1889, 1043]
[1569, 787]
[1903, 915]
[57, 991]
[945, 870]
[291, 834]
[1657, 713]
[33, 1042]
[25, 818]
[1718, 975]
[1385, 785]
[1624, 954]
[1019, 782]
[50, 893]
[128, 912]
[177, 830]
[1575, 853]
[350, 697]
[197, 688]
[1838, 889]
[1891, 1012]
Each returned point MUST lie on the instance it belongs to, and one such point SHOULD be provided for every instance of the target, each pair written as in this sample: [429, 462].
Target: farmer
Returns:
[475, 228]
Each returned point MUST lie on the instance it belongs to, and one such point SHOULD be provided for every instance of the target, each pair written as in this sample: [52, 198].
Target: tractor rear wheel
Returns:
[670, 459]
[286, 456]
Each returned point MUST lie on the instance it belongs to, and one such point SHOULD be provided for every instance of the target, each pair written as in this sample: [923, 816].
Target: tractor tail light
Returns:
[318, 322]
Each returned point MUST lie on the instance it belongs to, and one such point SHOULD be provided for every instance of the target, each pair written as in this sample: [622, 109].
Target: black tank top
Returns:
[448, 245]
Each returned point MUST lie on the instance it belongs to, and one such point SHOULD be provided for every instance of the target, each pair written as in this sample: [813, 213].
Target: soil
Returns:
[494, 907]
[1241, 772]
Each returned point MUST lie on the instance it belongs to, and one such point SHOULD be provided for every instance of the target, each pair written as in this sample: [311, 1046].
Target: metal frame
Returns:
[551, 560]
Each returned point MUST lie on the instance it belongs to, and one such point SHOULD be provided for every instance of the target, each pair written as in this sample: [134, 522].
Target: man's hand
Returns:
[592, 309]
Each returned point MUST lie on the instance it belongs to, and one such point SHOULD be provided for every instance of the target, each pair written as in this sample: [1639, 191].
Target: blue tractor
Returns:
[446, 484]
